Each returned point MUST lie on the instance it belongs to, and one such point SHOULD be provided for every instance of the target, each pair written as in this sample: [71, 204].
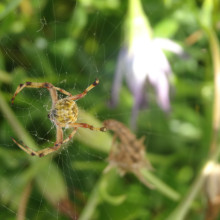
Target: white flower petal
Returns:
[167, 44]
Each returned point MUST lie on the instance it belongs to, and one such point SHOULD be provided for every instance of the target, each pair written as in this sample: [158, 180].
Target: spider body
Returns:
[63, 114]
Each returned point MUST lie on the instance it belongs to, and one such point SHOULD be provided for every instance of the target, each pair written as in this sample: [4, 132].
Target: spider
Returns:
[63, 114]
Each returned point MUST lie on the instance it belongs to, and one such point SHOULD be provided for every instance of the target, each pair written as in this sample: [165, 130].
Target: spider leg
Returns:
[44, 152]
[70, 136]
[25, 148]
[81, 95]
[40, 153]
[46, 85]
[48, 150]
[84, 125]
[63, 91]
[57, 146]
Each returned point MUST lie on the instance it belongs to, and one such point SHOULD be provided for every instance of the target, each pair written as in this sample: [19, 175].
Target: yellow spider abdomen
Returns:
[65, 112]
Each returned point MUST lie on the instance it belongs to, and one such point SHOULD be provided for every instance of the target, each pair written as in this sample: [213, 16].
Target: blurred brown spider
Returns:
[63, 114]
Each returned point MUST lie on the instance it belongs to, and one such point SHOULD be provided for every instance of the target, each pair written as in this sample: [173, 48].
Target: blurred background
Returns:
[158, 63]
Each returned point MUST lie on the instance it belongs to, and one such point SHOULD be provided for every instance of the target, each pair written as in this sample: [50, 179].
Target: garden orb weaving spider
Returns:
[63, 114]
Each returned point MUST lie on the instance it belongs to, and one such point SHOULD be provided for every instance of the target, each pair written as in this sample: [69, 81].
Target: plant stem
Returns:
[182, 209]
[5, 77]
[215, 51]
[15, 124]
[160, 185]
[23, 202]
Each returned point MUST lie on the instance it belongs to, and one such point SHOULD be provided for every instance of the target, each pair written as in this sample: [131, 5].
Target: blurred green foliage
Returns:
[70, 43]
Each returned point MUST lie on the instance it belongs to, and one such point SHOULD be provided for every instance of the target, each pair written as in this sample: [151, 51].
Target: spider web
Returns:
[40, 57]
[69, 44]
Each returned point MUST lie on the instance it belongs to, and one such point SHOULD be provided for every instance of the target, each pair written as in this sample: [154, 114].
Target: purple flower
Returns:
[143, 62]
